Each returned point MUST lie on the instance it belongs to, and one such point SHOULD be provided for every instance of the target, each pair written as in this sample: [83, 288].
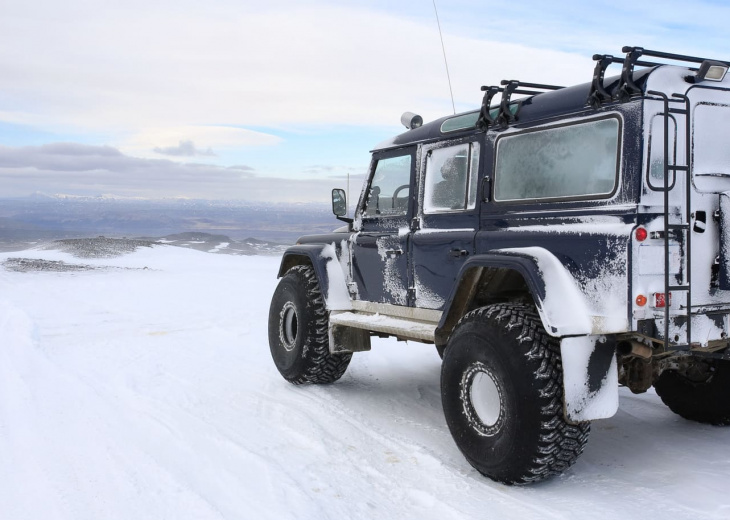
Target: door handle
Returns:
[457, 253]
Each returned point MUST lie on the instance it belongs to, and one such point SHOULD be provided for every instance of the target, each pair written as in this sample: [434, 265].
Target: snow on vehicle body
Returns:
[585, 217]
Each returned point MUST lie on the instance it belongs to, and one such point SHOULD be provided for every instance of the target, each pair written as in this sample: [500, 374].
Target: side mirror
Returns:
[339, 202]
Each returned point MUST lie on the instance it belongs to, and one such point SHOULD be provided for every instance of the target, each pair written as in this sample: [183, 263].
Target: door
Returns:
[380, 249]
[448, 220]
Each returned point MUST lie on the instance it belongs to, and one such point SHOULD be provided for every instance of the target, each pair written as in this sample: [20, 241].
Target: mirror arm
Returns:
[349, 220]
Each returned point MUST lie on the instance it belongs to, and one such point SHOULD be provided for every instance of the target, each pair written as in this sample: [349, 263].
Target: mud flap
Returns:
[590, 378]
[348, 339]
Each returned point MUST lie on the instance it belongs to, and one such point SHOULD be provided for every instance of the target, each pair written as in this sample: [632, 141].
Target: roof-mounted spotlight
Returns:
[410, 120]
[711, 71]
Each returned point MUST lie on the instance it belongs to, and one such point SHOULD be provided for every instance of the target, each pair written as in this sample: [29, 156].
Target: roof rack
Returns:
[599, 94]
[505, 115]
[627, 88]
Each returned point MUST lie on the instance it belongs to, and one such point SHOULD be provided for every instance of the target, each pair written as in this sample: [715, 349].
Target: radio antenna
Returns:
[446, 63]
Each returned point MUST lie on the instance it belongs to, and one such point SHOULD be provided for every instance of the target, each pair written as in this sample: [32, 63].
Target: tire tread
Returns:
[321, 366]
[560, 443]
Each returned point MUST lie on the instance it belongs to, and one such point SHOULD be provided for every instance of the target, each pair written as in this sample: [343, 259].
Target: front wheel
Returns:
[298, 331]
[502, 393]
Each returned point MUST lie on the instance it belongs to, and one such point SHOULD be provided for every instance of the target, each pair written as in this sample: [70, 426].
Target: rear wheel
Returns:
[502, 393]
[298, 331]
[701, 393]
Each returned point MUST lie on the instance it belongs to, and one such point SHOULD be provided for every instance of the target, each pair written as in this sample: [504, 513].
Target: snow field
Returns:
[150, 394]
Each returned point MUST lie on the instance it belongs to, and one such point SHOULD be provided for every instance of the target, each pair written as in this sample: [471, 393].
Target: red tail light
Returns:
[662, 300]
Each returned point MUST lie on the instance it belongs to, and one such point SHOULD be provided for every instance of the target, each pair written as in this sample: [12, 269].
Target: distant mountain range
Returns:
[41, 217]
[223, 244]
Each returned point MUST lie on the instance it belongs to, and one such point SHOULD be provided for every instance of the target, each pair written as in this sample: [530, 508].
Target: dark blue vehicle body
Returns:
[576, 258]
[551, 247]
[438, 260]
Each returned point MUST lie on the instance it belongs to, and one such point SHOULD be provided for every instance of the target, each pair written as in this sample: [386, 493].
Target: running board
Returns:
[350, 331]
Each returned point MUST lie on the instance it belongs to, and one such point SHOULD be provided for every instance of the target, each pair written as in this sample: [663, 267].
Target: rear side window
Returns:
[656, 151]
[574, 161]
[450, 183]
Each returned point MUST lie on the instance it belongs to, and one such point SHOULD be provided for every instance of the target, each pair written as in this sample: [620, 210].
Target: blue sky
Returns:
[278, 100]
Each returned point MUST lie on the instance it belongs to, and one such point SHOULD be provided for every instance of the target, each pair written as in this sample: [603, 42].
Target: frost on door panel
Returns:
[381, 247]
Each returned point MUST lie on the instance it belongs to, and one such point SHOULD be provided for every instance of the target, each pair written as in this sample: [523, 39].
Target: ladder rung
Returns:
[678, 168]
[678, 111]
[679, 288]
[678, 226]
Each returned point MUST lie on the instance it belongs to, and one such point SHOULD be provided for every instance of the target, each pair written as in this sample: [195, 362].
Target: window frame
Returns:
[376, 158]
[441, 145]
[673, 157]
[697, 105]
[576, 122]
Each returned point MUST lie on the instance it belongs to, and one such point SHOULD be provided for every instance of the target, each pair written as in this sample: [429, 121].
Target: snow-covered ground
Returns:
[150, 394]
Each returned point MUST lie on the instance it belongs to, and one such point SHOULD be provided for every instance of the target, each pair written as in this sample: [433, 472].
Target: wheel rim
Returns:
[289, 325]
[483, 399]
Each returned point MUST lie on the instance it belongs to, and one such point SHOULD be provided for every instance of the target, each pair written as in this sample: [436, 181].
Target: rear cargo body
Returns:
[697, 131]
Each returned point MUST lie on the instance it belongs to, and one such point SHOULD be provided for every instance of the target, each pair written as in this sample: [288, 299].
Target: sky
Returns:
[282, 100]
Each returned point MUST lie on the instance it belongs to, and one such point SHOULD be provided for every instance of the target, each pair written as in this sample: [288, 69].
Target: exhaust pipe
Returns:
[634, 348]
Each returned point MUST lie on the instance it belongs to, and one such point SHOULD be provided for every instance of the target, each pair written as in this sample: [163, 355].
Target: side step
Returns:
[349, 331]
[401, 327]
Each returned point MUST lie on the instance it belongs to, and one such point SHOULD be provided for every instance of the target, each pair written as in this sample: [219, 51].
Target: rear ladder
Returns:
[685, 217]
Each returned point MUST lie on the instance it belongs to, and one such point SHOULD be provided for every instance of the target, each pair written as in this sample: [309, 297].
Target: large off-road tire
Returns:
[502, 393]
[298, 337]
[705, 400]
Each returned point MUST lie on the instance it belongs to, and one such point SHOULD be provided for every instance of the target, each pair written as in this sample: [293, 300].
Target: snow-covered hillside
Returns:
[146, 391]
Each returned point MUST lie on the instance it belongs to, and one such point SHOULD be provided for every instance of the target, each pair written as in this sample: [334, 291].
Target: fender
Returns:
[324, 258]
[307, 254]
[558, 299]
[590, 375]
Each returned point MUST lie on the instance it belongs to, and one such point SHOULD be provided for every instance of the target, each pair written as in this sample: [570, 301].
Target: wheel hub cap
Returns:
[482, 397]
[485, 398]
[288, 326]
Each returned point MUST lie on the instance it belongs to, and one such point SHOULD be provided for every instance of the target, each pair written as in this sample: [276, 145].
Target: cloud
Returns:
[194, 141]
[336, 65]
[77, 149]
[354, 177]
[184, 149]
[320, 169]
[77, 169]
[217, 74]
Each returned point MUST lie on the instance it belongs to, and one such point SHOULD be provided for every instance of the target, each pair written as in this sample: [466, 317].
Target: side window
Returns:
[572, 161]
[390, 188]
[451, 178]
[656, 151]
